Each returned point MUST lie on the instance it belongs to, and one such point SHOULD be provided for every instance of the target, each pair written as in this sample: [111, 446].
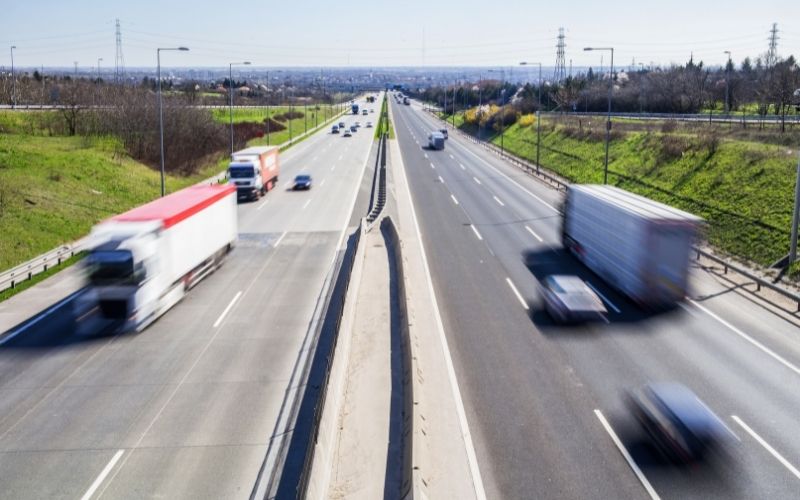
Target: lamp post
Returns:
[608, 121]
[230, 91]
[727, 77]
[97, 87]
[538, 111]
[13, 79]
[161, 111]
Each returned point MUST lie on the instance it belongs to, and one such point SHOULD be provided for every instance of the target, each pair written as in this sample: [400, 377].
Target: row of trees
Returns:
[689, 88]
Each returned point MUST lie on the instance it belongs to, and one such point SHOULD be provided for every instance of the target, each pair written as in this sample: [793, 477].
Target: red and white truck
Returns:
[254, 171]
[143, 261]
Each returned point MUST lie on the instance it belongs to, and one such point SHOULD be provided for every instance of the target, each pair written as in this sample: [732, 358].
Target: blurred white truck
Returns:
[142, 262]
[638, 246]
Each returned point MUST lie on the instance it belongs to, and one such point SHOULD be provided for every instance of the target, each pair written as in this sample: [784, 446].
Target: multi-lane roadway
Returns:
[193, 406]
[545, 404]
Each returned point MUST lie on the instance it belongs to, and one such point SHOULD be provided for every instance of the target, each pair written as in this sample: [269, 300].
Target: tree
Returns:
[73, 98]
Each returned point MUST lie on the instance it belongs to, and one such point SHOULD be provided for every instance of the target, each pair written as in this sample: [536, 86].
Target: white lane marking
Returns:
[498, 201]
[476, 180]
[454, 199]
[551, 207]
[333, 168]
[452, 157]
[767, 446]
[533, 233]
[417, 142]
[441, 180]
[747, 337]
[287, 184]
[516, 292]
[227, 309]
[610, 304]
[627, 456]
[322, 183]
[99, 480]
[278, 242]
[340, 156]
[462, 166]
[262, 205]
[476, 232]
[472, 459]
[306, 204]
[426, 155]
[433, 166]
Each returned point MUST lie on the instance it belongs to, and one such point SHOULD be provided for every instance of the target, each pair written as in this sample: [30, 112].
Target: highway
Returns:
[195, 404]
[545, 403]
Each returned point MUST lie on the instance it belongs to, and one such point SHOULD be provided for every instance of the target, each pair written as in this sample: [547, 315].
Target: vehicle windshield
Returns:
[241, 172]
[112, 267]
[302, 178]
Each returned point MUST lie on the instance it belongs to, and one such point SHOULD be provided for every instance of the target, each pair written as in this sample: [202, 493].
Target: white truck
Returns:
[638, 246]
[254, 171]
[436, 140]
[142, 262]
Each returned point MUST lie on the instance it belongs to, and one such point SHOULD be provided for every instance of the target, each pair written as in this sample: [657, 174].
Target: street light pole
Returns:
[13, 79]
[97, 89]
[230, 91]
[727, 77]
[161, 112]
[608, 121]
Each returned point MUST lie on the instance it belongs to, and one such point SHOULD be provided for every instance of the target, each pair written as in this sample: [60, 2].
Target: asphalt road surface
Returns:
[189, 407]
[545, 403]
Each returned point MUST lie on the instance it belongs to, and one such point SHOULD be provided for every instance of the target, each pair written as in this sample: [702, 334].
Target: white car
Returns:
[568, 298]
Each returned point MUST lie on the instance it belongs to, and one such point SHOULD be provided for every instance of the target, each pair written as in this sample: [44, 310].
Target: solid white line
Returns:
[278, 242]
[766, 445]
[452, 157]
[476, 232]
[748, 338]
[433, 166]
[99, 480]
[441, 180]
[516, 292]
[498, 201]
[534, 234]
[476, 180]
[636, 470]
[462, 166]
[322, 182]
[306, 204]
[611, 304]
[454, 199]
[425, 154]
[225, 312]
[472, 459]
[262, 205]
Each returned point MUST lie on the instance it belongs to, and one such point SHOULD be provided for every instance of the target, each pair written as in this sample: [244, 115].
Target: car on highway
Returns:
[357, 124]
[335, 129]
[568, 298]
[302, 181]
[364, 112]
[371, 110]
[681, 426]
[341, 125]
[347, 133]
[353, 128]
[368, 125]
[443, 132]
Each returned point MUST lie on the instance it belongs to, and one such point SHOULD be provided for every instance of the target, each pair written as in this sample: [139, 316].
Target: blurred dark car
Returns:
[680, 425]
[302, 181]
[568, 298]
[444, 132]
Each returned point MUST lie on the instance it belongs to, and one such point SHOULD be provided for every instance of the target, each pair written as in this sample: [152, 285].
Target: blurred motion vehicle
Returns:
[347, 133]
[364, 112]
[335, 129]
[354, 108]
[368, 125]
[302, 181]
[443, 131]
[354, 128]
[143, 261]
[679, 423]
[568, 298]
[436, 140]
[341, 125]
[406, 101]
[254, 171]
[637, 245]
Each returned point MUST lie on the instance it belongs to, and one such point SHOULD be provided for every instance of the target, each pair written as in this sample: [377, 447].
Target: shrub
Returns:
[527, 120]
[669, 126]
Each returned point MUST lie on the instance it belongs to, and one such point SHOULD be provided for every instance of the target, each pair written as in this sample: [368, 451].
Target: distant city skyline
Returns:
[365, 34]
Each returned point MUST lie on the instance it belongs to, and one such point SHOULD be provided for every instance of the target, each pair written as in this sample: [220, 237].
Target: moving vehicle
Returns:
[406, 101]
[436, 140]
[637, 245]
[368, 125]
[347, 133]
[354, 108]
[302, 181]
[364, 112]
[254, 171]
[353, 128]
[443, 131]
[679, 423]
[341, 125]
[335, 129]
[569, 298]
[143, 261]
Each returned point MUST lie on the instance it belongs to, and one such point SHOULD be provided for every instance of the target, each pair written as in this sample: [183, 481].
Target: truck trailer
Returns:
[254, 171]
[638, 246]
[354, 109]
[143, 261]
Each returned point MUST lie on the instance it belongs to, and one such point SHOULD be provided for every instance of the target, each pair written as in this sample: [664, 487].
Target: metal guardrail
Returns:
[759, 282]
[40, 264]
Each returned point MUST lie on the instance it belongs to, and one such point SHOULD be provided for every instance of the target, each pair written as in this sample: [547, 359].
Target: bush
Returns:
[527, 120]
[669, 126]
[672, 148]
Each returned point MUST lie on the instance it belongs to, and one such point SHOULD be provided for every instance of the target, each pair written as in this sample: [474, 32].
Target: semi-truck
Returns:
[638, 246]
[354, 108]
[143, 261]
[436, 140]
[254, 171]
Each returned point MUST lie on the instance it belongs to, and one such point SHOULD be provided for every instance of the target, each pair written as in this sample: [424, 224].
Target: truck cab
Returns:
[246, 176]
[436, 140]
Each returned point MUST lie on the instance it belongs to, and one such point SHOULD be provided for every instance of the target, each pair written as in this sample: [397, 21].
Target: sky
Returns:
[379, 33]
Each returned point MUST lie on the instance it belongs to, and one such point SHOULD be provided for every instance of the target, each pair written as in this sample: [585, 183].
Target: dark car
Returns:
[680, 425]
[353, 128]
[444, 132]
[302, 181]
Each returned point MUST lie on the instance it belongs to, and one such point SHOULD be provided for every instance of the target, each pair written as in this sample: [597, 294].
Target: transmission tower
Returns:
[772, 53]
[119, 62]
[560, 71]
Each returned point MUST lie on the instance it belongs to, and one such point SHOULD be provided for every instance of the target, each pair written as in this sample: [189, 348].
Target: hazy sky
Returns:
[380, 33]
